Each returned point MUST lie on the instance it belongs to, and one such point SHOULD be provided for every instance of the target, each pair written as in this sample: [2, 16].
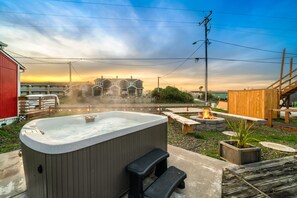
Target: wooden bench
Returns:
[247, 118]
[187, 124]
[169, 178]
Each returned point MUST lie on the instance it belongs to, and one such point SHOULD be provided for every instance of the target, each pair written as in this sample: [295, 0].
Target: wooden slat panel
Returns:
[253, 103]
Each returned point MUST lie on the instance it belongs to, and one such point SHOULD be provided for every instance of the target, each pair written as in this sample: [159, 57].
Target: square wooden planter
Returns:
[239, 156]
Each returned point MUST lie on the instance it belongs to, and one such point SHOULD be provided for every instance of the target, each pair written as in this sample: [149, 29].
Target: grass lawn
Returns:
[9, 137]
[282, 120]
[207, 143]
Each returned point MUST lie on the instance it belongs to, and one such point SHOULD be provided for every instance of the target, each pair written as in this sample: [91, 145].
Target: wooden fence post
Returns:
[39, 102]
[56, 102]
[269, 120]
[281, 72]
[287, 117]
[23, 105]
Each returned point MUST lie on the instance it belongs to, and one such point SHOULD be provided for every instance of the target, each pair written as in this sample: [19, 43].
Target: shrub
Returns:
[172, 95]
[242, 129]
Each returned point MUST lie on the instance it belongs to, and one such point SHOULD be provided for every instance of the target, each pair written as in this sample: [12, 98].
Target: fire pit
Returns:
[209, 122]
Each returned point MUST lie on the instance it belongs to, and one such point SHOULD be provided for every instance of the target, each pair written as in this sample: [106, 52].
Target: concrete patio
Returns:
[204, 174]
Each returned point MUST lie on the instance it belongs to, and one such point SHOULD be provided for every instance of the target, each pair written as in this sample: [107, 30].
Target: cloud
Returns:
[93, 31]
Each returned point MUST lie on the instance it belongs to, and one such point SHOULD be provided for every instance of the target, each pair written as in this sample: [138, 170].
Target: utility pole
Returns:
[206, 30]
[282, 71]
[70, 80]
[158, 84]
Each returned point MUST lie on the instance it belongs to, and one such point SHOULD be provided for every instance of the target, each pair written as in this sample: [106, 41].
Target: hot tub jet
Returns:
[89, 119]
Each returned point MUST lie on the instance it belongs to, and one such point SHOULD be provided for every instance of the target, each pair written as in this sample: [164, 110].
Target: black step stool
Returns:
[164, 186]
[143, 166]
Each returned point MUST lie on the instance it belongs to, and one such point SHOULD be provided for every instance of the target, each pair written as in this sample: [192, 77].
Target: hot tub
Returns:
[74, 156]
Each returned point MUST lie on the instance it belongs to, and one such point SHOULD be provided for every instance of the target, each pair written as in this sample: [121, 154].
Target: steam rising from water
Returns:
[79, 131]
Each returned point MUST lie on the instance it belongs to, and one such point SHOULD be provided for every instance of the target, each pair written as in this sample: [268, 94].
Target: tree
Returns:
[210, 97]
[200, 88]
[156, 94]
[171, 94]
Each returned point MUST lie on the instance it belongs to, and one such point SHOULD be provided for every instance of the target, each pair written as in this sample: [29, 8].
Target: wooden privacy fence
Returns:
[253, 103]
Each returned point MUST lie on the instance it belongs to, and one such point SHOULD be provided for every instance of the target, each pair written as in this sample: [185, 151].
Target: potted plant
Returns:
[238, 150]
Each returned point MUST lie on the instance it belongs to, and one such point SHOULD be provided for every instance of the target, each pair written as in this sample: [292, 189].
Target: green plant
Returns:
[243, 132]
[198, 135]
[172, 95]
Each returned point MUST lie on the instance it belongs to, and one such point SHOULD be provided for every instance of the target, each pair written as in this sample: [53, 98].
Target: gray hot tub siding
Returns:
[95, 171]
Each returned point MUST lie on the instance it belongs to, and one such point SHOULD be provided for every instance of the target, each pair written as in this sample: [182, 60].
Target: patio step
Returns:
[164, 186]
[168, 179]
[143, 166]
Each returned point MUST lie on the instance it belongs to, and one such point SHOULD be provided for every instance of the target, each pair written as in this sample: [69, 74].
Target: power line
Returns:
[49, 63]
[255, 15]
[102, 26]
[251, 27]
[186, 24]
[253, 48]
[183, 61]
[120, 64]
[106, 59]
[127, 5]
[146, 65]
[179, 59]
[176, 9]
[77, 72]
[94, 17]
[121, 19]
[258, 60]
[200, 58]
[245, 60]
[26, 56]
[235, 29]
[166, 81]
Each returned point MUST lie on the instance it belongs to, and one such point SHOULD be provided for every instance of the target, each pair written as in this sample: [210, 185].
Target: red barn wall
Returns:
[8, 87]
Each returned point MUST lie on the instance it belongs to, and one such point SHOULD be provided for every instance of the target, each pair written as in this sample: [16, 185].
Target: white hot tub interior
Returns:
[77, 128]
[53, 135]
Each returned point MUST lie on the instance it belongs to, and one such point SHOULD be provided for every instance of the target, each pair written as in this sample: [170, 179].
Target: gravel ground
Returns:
[207, 143]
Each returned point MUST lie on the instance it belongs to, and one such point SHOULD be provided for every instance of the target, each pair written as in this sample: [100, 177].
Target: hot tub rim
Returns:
[50, 148]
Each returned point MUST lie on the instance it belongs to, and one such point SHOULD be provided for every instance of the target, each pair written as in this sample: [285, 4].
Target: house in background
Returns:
[117, 87]
[9, 86]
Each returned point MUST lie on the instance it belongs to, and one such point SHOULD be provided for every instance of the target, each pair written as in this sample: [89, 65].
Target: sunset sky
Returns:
[147, 39]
